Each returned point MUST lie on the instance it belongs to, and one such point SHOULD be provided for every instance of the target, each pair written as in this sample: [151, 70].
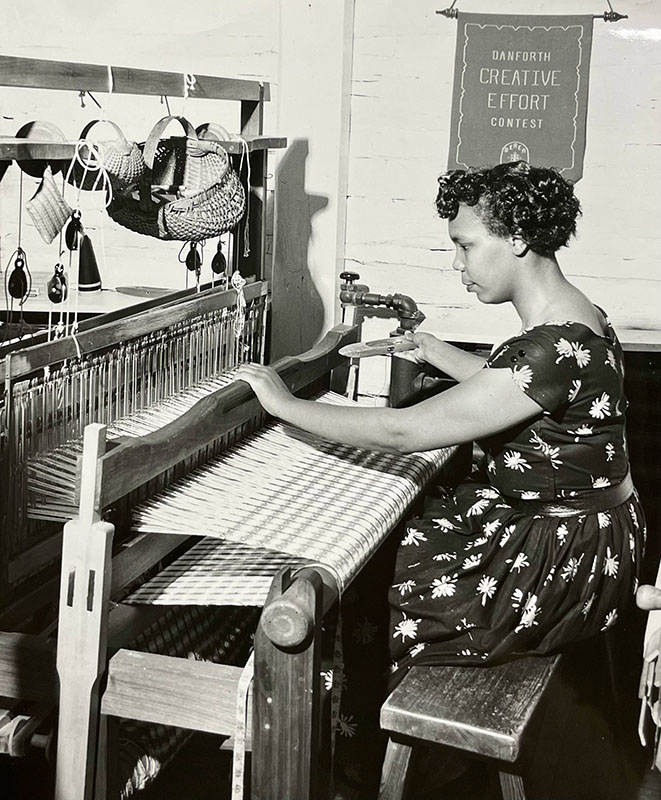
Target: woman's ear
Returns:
[519, 246]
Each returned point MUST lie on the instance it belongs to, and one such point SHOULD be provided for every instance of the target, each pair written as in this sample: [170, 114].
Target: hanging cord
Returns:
[246, 227]
[91, 161]
[238, 282]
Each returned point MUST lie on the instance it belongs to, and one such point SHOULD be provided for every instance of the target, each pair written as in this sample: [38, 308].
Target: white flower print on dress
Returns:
[632, 546]
[529, 494]
[417, 649]
[600, 407]
[574, 390]
[489, 528]
[346, 726]
[407, 628]
[413, 536]
[567, 349]
[593, 569]
[529, 614]
[517, 598]
[588, 605]
[564, 350]
[514, 460]
[487, 588]
[487, 494]
[518, 563]
[444, 557]
[562, 532]
[568, 572]
[550, 576]
[633, 515]
[472, 561]
[444, 524]
[328, 677]
[582, 430]
[522, 376]
[604, 518]
[465, 625]
[445, 586]
[599, 483]
[611, 563]
[610, 620]
[406, 587]
[477, 508]
[491, 464]
[610, 360]
[581, 354]
[509, 530]
[610, 451]
[477, 542]
[550, 452]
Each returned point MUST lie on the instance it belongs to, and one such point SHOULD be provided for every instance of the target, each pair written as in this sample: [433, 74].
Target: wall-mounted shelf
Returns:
[13, 149]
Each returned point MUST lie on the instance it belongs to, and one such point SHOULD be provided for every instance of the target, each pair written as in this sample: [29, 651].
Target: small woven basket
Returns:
[189, 190]
[121, 159]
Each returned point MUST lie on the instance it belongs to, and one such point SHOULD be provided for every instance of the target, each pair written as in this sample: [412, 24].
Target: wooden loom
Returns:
[288, 728]
[94, 626]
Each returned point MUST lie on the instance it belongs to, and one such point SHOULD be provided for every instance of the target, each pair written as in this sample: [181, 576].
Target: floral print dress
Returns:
[476, 579]
[479, 580]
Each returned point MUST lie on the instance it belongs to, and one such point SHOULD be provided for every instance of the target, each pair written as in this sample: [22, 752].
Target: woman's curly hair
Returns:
[516, 199]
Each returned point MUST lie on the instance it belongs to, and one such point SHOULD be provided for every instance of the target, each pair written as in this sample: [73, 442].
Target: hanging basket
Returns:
[122, 160]
[189, 190]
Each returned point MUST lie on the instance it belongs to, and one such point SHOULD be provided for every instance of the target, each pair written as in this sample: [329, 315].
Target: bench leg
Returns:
[511, 786]
[394, 771]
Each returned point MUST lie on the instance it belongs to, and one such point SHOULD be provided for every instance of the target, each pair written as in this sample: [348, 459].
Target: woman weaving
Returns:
[543, 547]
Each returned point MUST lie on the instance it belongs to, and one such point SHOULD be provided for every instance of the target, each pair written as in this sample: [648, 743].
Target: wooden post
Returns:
[82, 633]
[287, 760]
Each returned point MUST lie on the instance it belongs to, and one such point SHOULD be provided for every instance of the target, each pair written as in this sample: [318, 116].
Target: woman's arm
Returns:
[454, 361]
[482, 405]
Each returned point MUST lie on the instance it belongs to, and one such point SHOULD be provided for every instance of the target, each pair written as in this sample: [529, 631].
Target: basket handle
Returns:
[155, 134]
[125, 146]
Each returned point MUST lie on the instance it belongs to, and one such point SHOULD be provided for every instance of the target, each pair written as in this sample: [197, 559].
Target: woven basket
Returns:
[121, 159]
[189, 190]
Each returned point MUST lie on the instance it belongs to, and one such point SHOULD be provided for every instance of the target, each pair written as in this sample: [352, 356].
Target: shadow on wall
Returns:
[297, 311]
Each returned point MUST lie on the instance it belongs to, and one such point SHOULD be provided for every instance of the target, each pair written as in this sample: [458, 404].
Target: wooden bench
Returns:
[480, 710]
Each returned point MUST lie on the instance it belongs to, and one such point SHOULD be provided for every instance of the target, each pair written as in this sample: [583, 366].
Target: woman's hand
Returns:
[425, 345]
[269, 387]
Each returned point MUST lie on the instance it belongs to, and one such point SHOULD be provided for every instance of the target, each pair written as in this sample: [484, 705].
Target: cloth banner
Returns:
[521, 91]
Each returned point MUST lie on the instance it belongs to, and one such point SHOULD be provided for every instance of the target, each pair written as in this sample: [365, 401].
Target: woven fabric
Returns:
[48, 208]
[280, 490]
[218, 635]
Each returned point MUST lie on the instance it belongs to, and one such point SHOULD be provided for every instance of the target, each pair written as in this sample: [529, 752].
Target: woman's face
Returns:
[487, 263]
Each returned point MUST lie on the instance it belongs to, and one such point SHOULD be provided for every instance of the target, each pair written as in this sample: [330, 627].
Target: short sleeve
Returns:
[544, 365]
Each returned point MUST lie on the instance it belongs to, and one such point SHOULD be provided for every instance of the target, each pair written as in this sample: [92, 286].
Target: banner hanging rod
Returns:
[607, 16]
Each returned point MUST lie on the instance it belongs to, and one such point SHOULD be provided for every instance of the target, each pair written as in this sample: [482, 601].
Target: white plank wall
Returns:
[400, 60]
[402, 93]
